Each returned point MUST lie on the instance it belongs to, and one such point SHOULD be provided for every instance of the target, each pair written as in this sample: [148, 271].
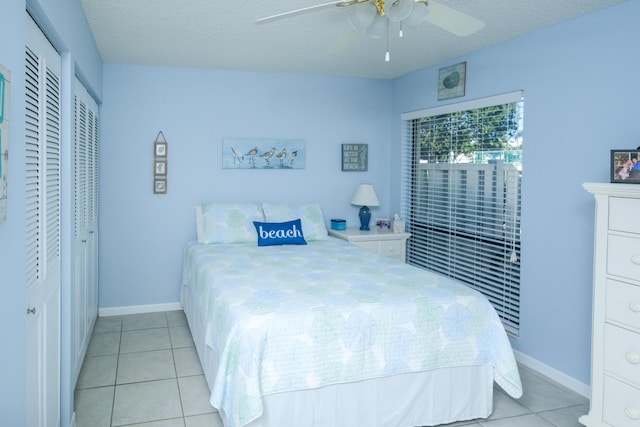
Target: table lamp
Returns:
[365, 196]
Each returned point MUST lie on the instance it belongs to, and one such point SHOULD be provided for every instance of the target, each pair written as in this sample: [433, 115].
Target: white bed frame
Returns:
[422, 399]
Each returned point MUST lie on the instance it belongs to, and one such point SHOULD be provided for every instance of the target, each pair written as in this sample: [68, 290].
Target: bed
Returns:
[302, 329]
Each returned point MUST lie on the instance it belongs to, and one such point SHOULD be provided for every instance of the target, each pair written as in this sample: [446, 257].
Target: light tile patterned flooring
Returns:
[142, 370]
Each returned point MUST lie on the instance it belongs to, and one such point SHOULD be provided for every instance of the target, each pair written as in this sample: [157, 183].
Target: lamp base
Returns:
[365, 216]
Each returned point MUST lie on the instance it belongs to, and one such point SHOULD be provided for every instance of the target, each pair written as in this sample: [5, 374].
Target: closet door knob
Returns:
[635, 306]
[632, 412]
[635, 259]
[632, 357]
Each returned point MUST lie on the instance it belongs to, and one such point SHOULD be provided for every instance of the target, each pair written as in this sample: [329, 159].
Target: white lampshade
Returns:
[416, 17]
[378, 28]
[361, 15]
[365, 196]
[397, 10]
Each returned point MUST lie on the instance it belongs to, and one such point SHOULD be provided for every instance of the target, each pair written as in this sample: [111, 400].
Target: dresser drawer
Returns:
[622, 353]
[621, 404]
[372, 246]
[391, 248]
[382, 242]
[623, 214]
[623, 256]
[623, 303]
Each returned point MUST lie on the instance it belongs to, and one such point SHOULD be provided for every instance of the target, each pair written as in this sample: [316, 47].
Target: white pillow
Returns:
[227, 222]
[313, 225]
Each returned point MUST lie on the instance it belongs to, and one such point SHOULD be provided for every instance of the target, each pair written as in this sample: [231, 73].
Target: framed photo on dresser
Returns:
[625, 166]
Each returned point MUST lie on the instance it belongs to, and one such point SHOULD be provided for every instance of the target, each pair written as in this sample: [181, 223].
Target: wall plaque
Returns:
[355, 157]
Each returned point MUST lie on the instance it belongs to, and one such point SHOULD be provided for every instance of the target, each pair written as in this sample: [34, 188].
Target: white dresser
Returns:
[384, 242]
[615, 353]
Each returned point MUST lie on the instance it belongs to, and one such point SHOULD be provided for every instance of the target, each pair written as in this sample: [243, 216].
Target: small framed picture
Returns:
[625, 166]
[160, 168]
[383, 223]
[452, 81]
[160, 149]
[159, 186]
[355, 157]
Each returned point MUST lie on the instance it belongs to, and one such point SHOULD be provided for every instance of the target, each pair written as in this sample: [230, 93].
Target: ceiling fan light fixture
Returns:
[378, 28]
[361, 15]
[418, 12]
[398, 10]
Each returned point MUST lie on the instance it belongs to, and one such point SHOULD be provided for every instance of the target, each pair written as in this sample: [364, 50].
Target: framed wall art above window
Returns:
[452, 81]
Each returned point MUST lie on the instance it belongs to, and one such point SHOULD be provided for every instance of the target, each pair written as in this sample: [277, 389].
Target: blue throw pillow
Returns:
[280, 233]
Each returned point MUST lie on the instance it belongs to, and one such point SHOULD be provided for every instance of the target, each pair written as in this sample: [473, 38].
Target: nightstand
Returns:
[383, 242]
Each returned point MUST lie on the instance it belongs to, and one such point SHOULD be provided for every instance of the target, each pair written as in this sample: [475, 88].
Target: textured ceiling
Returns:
[223, 34]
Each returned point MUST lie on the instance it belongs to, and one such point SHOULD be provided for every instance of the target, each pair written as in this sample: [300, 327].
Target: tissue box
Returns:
[338, 224]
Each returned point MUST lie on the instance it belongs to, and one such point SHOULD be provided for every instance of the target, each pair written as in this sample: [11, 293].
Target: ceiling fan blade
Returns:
[345, 40]
[297, 12]
[452, 21]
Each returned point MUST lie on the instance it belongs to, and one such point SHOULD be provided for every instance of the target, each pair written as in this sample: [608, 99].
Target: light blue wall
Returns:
[142, 235]
[65, 24]
[579, 85]
[581, 92]
[580, 88]
[12, 258]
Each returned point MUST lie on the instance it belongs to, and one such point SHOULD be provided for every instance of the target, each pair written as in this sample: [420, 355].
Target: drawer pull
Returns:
[632, 412]
[635, 306]
[635, 259]
[632, 357]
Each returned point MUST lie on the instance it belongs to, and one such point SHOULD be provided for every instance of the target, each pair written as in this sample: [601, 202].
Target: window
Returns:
[461, 189]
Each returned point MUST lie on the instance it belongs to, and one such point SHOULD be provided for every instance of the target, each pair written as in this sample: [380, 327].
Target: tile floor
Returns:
[142, 370]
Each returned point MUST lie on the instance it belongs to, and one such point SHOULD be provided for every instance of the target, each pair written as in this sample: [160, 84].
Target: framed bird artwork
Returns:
[251, 153]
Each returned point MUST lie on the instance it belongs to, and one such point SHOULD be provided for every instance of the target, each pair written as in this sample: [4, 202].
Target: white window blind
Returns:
[42, 161]
[461, 181]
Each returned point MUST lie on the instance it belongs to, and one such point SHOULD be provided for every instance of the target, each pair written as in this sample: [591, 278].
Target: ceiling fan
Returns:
[364, 14]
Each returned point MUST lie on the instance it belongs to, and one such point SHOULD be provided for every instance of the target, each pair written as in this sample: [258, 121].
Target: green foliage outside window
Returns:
[451, 137]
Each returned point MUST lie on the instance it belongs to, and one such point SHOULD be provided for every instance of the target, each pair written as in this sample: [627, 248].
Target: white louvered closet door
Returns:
[86, 125]
[42, 163]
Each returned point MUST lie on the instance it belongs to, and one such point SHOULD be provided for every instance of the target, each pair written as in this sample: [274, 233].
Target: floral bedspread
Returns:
[285, 318]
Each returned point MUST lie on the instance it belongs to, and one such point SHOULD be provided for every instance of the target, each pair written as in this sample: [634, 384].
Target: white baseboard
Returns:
[138, 309]
[553, 374]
